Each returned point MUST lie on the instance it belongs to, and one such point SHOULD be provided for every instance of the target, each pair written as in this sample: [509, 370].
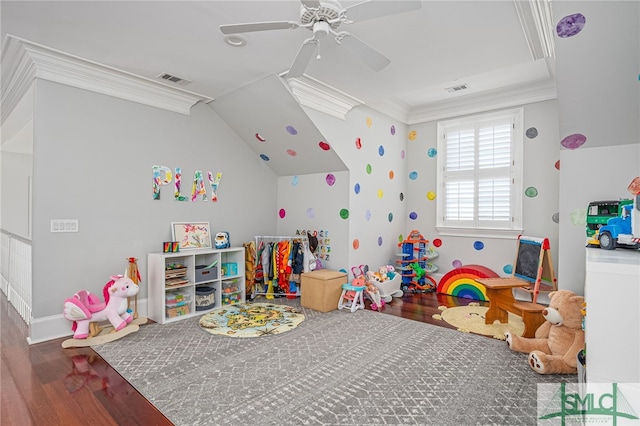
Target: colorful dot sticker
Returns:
[390, 217]
[381, 150]
[393, 130]
[356, 244]
[402, 154]
[401, 196]
[413, 135]
[437, 242]
[413, 215]
[556, 217]
[507, 269]
[311, 212]
[324, 146]
[292, 152]
[356, 188]
[413, 175]
[478, 245]
[456, 264]
[380, 193]
[571, 25]
[260, 138]
[344, 213]
[379, 241]
[264, 157]
[531, 192]
[294, 180]
[400, 238]
[358, 143]
[282, 213]
[432, 152]
[557, 165]
[574, 141]
[391, 174]
[578, 216]
[369, 122]
[431, 195]
[531, 132]
[367, 215]
[331, 179]
[368, 169]
[291, 130]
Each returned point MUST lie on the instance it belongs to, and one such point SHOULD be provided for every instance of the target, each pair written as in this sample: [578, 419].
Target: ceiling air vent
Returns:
[173, 79]
[456, 88]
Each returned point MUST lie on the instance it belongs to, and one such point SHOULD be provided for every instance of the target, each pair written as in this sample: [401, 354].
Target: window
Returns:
[480, 175]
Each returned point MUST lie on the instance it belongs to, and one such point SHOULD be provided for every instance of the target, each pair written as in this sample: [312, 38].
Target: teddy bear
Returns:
[558, 340]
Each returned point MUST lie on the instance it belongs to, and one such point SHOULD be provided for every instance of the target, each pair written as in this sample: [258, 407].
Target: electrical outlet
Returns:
[64, 225]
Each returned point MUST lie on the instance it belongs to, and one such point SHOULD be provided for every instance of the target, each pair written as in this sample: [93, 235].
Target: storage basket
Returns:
[205, 298]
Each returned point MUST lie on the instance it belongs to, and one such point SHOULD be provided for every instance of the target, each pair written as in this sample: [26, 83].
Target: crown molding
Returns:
[536, 19]
[321, 97]
[24, 61]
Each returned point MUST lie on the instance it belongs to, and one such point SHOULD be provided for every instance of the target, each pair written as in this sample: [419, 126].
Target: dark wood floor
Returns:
[43, 384]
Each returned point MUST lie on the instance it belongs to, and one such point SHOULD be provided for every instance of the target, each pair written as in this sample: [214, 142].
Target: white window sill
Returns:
[508, 234]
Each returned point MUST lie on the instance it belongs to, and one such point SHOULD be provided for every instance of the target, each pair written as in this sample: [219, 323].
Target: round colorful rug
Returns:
[470, 319]
[251, 320]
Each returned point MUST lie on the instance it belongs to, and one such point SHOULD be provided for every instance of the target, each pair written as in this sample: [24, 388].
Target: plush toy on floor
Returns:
[558, 340]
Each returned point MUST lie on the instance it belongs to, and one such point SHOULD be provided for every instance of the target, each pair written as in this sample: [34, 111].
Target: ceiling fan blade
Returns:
[305, 53]
[311, 4]
[258, 26]
[364, 52]
[375, 9]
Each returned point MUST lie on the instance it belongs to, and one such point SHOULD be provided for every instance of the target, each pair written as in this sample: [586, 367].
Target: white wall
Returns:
[17, 170]
[93, 158]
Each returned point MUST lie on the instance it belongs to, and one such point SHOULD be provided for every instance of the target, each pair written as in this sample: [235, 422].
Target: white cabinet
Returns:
[612, 325]
[190, 283]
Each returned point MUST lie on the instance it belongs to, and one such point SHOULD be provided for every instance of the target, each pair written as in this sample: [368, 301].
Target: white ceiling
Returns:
[488, 45]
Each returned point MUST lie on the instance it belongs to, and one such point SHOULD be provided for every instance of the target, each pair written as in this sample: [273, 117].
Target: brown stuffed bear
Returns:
[558, 340]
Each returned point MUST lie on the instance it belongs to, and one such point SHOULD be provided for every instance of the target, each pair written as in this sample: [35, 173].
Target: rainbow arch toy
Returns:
[461, 282]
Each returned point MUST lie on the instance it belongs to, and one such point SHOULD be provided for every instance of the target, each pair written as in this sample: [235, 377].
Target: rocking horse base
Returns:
[105, 335]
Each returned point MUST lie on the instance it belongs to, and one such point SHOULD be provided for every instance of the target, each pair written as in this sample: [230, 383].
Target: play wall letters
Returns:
[162, 176]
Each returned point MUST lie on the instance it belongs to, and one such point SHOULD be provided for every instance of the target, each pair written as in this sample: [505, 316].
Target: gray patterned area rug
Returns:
[336, 368]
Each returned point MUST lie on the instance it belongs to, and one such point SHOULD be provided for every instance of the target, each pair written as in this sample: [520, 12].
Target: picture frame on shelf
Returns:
[191, 235]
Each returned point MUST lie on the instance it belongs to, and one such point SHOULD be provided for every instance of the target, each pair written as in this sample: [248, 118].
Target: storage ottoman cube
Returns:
[321, 290]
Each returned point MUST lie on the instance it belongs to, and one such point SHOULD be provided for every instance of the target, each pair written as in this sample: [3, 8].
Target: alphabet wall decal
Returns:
[162, 175]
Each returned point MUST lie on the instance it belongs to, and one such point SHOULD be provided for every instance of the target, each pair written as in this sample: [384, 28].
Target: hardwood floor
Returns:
[43, 384]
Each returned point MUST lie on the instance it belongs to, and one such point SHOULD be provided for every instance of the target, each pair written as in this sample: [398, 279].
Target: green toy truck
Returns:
[599, 213]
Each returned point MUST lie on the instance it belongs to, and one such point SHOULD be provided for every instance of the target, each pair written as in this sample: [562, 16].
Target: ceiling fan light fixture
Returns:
[235, 40]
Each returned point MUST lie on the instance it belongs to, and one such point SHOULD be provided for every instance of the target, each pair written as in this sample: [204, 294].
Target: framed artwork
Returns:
[191, 235]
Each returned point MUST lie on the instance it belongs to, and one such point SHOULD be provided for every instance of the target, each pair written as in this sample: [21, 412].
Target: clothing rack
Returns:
[263, 290]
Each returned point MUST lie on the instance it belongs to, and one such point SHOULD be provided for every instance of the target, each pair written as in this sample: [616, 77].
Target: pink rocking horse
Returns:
[85, 308]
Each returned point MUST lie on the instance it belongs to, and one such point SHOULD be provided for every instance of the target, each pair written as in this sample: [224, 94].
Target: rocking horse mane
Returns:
[105, 291]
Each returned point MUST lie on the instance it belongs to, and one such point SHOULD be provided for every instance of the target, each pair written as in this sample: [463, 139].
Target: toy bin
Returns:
[390, 288]
[321, 290]
[205, 298]
[230, 292]
[176, 304]
[206, 274]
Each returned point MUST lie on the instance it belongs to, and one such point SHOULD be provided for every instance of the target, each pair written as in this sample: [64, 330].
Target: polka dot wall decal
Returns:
[400, 238]
[344, 213]
[358, 143]
[393, 130]
[369, 122]
[573, 141]
[291, 130]
[294, 180]
[557, 165]
[260, 138]
[380, 193]
[292, 152]
[578, 217]
[324, 146]
[264, 157]
[478, 245]
[556, 217]
[431, 195]
[379, 241]
[402, 154]
[413, 215]
[456, 264]
[437, 242]
[507, 269]
[531, 192]
[356, 188]
[367, 215]
[571, 25]
[311, 212]
[531, 132]
[401, 196]
[413, 135]
[331, 179]
[282, 213]
[368, 169]
[381, 150]
[432, 152]
[391, 174]
[356, 244]
[390, 217]
[413, 175]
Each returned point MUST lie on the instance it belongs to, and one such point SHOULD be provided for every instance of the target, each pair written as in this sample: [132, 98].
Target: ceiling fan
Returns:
[324, 17]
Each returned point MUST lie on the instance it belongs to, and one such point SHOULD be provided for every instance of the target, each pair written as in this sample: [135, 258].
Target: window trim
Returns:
[516, 115]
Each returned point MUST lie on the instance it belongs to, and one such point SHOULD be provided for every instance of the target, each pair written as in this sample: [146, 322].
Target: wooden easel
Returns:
[533, 264]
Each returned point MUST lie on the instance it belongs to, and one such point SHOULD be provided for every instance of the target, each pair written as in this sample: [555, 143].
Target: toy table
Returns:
[501, 302]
